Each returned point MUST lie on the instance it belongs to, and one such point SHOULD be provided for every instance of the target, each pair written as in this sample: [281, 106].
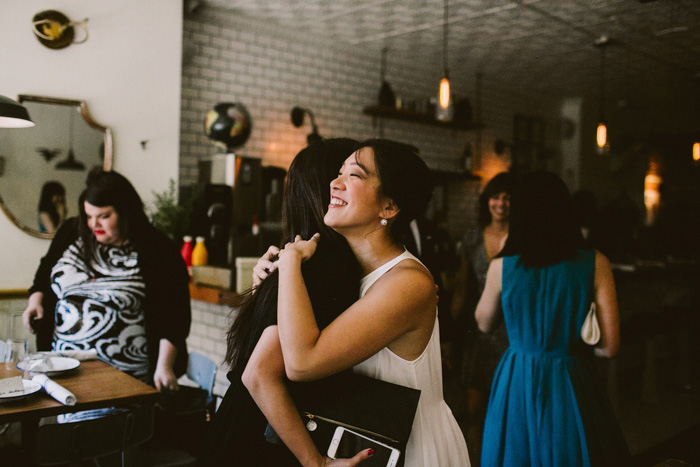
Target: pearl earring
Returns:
[384, 222]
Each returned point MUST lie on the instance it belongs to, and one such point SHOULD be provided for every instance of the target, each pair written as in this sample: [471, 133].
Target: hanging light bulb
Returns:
[602, 130]
[445, 107]
[602, 135]
[444, 92]
[696, 151]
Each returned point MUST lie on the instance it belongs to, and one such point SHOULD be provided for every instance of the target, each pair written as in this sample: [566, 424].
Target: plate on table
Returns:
[53, 366]
[30, 387]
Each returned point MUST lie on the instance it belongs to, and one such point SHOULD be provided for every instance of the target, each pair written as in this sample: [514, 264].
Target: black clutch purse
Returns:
[377, 409]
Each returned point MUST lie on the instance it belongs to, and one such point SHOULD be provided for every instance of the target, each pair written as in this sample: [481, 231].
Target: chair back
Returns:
[202, 370]
[75, 442]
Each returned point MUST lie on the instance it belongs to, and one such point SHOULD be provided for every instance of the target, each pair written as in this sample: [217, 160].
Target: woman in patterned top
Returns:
[112, 282]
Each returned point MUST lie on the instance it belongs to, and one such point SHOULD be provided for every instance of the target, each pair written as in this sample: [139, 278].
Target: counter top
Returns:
[213, 295]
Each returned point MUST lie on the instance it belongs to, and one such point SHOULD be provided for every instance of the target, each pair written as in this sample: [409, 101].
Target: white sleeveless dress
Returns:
[436, 439]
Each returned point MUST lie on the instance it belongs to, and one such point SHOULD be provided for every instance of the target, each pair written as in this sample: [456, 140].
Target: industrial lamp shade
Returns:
[13, 114]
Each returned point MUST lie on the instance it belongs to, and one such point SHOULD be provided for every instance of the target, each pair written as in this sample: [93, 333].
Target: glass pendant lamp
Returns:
[445, 105]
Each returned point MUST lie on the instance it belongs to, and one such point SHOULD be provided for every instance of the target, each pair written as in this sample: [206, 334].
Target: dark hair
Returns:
[110, 188]
[48, 191]
[332, 275]
[404, 177]
[543, 228]
[500, 183]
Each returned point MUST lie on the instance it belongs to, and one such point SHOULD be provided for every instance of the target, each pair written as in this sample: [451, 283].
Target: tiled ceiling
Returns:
[544, 46]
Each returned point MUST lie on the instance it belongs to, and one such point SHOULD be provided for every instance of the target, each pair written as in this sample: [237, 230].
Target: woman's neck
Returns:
[497, 227]
[373, 250]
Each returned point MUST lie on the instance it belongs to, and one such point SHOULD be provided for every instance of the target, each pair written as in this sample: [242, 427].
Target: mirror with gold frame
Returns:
[63, 146]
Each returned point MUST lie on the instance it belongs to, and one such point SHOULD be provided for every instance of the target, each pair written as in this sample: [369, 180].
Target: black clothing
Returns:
[167, 301]
[236, 436]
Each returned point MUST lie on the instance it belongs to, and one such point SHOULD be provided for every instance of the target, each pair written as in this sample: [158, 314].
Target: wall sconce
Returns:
[13, 114]
[297, 116]
[55, 30]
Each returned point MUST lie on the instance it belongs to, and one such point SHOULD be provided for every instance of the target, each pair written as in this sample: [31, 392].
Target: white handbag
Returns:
[590, 332]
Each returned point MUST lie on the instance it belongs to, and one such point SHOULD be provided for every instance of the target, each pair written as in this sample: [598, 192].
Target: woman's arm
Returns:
[402, 301]
[264, 379]
[488, 311]
[47, 222]
[607, 311]
[164, 376]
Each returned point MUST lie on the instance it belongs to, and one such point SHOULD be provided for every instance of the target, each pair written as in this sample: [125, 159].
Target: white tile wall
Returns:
[208, 336]
[231, 58]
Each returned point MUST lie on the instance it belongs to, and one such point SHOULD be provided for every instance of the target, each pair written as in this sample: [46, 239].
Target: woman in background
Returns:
[547, 406]
[52, 207]
[482, 351]
[111, 282]
[333, 275]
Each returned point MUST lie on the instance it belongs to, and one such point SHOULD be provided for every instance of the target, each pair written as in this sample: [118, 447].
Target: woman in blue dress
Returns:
[547, 407]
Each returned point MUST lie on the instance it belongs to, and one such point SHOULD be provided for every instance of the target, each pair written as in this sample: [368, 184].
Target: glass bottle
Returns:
[186, 252]
[200, 257]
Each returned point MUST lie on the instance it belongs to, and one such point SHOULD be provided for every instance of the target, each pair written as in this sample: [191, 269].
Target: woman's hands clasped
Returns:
[269, 262]
[302, 249]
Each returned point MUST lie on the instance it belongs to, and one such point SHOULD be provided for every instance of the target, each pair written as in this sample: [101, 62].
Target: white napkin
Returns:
[55, 390]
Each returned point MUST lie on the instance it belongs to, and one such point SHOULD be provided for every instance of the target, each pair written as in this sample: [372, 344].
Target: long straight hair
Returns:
[332, 275]
[543, 228]
[48, 191]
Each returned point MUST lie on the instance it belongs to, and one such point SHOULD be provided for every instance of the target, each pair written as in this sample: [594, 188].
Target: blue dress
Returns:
[547, 407]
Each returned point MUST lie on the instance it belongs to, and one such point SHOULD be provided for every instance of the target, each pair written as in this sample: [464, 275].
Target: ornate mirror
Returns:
[38, 163]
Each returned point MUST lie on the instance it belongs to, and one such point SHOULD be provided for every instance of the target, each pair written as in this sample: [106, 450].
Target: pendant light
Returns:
[445, 106]
[70, 163]
[602, 130]
[13, 114]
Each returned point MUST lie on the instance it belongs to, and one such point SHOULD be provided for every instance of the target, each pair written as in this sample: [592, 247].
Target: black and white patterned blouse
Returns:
[102, 308]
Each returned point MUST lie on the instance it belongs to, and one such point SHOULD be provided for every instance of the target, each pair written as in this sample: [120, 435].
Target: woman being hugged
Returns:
[111, 282]
[547, 406]
[237, 433]
[390, 333]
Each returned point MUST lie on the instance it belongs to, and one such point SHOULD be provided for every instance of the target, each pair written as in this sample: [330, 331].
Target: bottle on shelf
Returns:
[186, 253]
[200, 257]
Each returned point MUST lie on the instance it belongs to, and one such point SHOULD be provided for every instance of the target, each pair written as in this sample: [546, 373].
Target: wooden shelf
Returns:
[214, 295]
[422, 118]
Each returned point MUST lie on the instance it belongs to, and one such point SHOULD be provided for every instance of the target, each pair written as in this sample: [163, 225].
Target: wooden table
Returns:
[95, 385]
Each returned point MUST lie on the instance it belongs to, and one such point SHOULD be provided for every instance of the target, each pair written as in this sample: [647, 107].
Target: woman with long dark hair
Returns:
[547, 406]
[333, 275]
[52, 207]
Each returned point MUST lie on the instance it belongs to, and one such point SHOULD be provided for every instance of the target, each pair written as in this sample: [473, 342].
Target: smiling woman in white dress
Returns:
[390, 333]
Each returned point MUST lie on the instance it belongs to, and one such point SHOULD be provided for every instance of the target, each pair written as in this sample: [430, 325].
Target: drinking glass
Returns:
[15, 351]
